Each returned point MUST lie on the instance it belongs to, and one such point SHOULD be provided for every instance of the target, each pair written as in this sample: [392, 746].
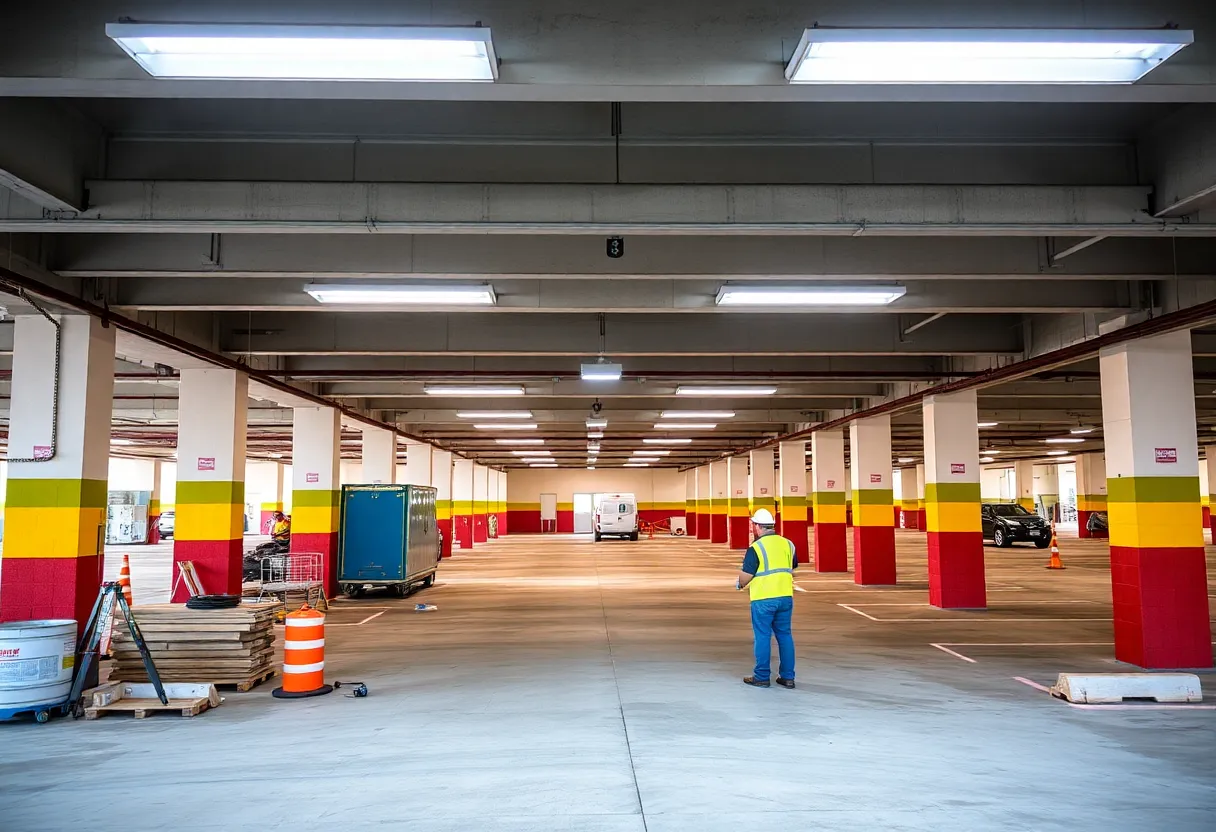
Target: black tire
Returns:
[42, 717]
[597, 537]
[633, 536]
[353, 590]
[429, 581]
[1000, 538]
[401, 590]
[1042, 544]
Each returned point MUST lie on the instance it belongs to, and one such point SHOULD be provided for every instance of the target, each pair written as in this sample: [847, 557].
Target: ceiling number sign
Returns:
[1168, 456]
[958, 467]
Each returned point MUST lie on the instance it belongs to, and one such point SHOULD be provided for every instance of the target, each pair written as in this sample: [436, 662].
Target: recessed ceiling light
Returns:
[590, 467]
[697, 414]
[467, 390]
[981, 56]
[506, 426]
[1062, 440]
[597, 423]
[685, 426]
[595, 435]
[990, 451]
[121, 441]
[241, 51]
[808, 295]
[542, 465]
[987, 424]
[644, 459]
[536, 459]
[1081, 430]
[276, 456]
[689, 441]
[735, 390]
[541, 452]
[520, 441]
[987, 459]
[494, 414]
[652, 452]
[636, 465]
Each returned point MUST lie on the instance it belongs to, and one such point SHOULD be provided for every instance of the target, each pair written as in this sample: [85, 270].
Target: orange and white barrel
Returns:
[124, 579]
[303, 655]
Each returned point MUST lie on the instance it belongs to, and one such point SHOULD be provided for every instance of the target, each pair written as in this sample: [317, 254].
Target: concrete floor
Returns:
[567, 685]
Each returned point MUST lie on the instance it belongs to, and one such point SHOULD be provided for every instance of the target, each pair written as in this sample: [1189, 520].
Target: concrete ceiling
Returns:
[1020, 219]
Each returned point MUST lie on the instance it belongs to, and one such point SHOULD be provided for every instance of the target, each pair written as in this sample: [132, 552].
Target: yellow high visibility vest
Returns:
[775, 578]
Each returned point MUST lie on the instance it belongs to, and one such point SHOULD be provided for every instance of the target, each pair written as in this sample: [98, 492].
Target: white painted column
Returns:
[440, 476]
[795, 496]
[704, 507]
[952, 501]
[1091, 492]
[418, 463]
[1023, 483]
[462, 502]
[738, 530]
[719, 494]
[316, 443]
[763, 482]
[379, 455]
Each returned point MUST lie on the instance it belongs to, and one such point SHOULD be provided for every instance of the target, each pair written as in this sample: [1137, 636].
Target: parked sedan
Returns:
[1007, 523]
[165, 525]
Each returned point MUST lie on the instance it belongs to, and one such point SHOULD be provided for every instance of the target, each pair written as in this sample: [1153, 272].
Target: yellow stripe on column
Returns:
[314, 511]
[209, 521]
[952, 506]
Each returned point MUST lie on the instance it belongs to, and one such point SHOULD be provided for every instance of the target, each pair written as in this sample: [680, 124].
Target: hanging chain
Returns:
[55, 395]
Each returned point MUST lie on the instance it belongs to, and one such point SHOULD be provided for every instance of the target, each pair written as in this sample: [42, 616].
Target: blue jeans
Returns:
[771, 617]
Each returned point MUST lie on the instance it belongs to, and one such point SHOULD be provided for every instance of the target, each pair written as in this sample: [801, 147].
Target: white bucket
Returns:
[36, 663]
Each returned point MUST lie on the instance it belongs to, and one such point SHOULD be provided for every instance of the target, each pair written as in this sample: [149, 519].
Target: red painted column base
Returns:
[324, 543]
[898, 517]
[481, 532]
[44, 588]
[217, 563]
[831, 548]
[704, 521]
[690, 523]
[502, 523]
[1161, 607]
[1207, 517]
[920, 520]
[445, 526]
[462, 528]
[717, 528]
[874, 555]
[740, 533]
[796, 532]
[956, 570]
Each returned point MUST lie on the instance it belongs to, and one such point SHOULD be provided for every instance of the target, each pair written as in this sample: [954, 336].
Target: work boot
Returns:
[786, 683]
[754, 682]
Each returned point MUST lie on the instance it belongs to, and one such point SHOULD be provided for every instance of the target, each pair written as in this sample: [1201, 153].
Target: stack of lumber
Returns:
[222, 647]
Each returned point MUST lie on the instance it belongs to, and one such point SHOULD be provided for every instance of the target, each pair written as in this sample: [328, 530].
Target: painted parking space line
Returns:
[383, 610]
[945, 646]
[969, 620]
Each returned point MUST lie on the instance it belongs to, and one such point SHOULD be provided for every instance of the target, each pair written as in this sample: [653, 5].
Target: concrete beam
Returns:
[391, 208]
[1178, 155]
[46, 153]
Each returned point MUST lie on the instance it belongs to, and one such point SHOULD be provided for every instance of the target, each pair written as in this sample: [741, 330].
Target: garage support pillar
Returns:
[920, 497]
[209, 526]
[502, 503]
[690, 502]
[909, 497]
[481, 502]
[154, 508]
[1023, 484]
[828, 501]
[1210, 468]
[418, 464]
[55, 508]
[952, 502]
[720, 507]
[704, 503]
[379, 455]
[793, 490]
[1047, 488]
[1158, 571]
[316, 443]
[271, 492]
[873, 501]
[762, 484]
[738, 532]
[462, 503]
[440, 477]
[1091, 491]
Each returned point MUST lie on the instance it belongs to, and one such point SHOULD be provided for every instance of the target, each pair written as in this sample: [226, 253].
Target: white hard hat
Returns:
[763, 517]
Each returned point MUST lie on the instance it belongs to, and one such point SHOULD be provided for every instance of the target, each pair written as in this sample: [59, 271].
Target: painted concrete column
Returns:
[920, 497]
[269, 487]
[481, 498]
[1207, 484]
[55, 507]
[704, 503]
[1091, 491]
[690, 502]
[419, 464]
[909, 483]
[1023, 484]
[462, 503]
[1158, 570]
[762, 486]
[502, 503]
[828, 501]
[379, 455]
[873, 501]
[1046, 489]
[793, 488]
[441, 478]
[952, 502]
[719, 495]
[738, 533]
[316, 443]
[154, 503]
[491, 504]
[209, 526]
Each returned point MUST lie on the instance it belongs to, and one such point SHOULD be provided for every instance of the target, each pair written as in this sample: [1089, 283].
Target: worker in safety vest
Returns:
[280, 528]
[768, 573]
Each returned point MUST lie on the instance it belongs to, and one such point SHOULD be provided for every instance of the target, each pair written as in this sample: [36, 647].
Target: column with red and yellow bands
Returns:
[441, 478]
[719, 505]
[738, 530]
[690, 503]
[481, 503]
[316, 445]
[873, 501]
[704, 503]
[828, 501]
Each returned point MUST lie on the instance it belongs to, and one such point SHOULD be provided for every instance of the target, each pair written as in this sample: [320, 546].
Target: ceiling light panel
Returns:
[601, 371]
[735, 390]
[309, 53]
[473, 390]
[877, 295]
[506, 426]
[494, 414]
[697, 414]
[520, 441]
[677, 441]
[379, 295]
[685, 426]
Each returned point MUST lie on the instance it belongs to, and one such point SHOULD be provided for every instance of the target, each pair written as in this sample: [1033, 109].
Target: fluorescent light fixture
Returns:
[1081, 430]
[697, 414]
[467, 390]
[987, 459]
[686, 441]
[494, 414]
[597, 423]
[276, 456]
[685, 426]
[533, 452]
[987, 424]
[737, 390]
[590, 467]
[1062, 440]
[636, 465]
[520, 441]
[903, 460]
[595, 435]
[981, 56]
[542, 465]
[651, 452]
[121, 442]
[506, 426]
[239, 51]
[644, 459]
[1057, 453]
[373, 294]
[534, 460]
[991, 451]
[877, 295]
[601, 371]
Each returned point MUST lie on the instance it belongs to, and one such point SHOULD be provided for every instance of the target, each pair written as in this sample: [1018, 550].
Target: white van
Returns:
[616, 515]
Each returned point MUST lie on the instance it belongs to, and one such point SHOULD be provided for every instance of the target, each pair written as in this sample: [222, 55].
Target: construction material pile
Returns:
[234, 646]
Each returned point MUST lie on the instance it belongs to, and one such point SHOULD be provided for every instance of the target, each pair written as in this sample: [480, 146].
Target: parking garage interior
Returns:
[638, 256]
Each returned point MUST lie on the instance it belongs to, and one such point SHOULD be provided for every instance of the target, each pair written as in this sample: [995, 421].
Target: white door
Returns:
[584, 514]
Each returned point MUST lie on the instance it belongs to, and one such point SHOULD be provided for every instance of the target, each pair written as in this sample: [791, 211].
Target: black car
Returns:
[1007, 523]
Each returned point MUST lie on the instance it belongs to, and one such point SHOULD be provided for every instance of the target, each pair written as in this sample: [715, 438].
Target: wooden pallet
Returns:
[139, 699]
[241, 683]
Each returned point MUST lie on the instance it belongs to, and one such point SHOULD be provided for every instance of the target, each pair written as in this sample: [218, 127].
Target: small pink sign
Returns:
[831, 483]
[312, 477]
[793, 489]
[763, 490]
[1166, 455]
[958, 467]
[42, 452]
[206, 463]
[875, 477]
[738, 491]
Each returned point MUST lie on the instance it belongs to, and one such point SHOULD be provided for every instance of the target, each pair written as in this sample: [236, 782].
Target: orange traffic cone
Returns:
[124, 579]
[1055, 562]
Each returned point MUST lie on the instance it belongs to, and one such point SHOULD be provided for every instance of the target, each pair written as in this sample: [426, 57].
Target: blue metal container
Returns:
[388, 537]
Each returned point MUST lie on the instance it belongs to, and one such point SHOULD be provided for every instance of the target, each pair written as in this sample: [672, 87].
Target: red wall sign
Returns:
[793, 489]
[1166, 455]
[312, 477]
[42, 452]
[875, 477]
[763, 490]
[958, 467]
[738, 491]
[206, 463]
[831, 483]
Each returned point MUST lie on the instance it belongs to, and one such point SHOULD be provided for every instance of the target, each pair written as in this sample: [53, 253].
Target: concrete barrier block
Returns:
[1111, 688]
